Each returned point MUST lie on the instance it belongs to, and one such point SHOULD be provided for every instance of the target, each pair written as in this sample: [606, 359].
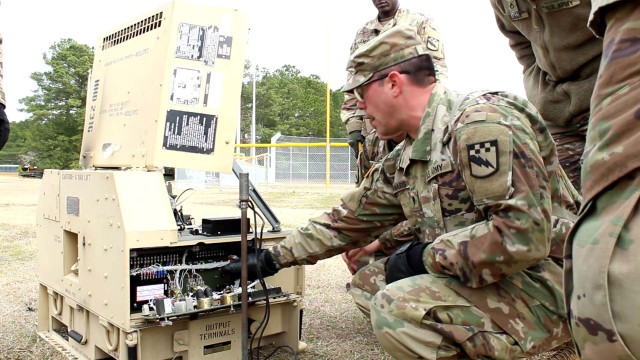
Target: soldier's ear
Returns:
[396, 83]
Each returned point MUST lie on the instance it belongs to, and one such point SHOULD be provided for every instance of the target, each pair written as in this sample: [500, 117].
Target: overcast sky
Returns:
[314, 36]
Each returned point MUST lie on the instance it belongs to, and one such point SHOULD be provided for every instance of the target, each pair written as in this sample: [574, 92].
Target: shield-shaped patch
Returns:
[432, 43]
[483, 158]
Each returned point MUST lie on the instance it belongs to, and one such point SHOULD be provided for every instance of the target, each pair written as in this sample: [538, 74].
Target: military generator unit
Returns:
[124, 271]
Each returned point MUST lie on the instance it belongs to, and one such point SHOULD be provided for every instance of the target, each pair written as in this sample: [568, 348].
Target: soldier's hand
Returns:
[357, 258]
[405, 262]
[4, 127]
[259, 259]
[355, 139]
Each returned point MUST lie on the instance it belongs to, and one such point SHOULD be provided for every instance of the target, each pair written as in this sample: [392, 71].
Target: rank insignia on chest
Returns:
[483, 158]
[511, 6]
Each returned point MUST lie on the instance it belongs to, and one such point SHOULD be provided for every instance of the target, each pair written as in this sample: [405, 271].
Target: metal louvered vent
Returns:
[143, 26]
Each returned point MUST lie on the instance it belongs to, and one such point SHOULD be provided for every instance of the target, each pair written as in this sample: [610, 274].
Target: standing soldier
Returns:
[479, 177]
[602, 283]
[560, 59]
[360, 131]
[4, 122]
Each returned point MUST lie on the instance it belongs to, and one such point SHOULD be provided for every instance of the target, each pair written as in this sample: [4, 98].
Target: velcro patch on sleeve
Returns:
[484, 152]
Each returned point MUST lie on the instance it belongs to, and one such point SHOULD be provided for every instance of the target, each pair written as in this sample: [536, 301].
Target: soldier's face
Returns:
[377, 101]
[387, 7]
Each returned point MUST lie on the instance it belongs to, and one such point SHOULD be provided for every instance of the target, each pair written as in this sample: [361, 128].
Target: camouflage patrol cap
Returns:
[392, 47]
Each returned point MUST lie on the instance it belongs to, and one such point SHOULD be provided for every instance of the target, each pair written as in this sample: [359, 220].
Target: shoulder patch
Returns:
[433, 44]
[483, 158]
[484, 153]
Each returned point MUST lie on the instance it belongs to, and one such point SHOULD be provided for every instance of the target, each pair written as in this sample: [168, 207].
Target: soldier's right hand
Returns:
[357, 258]
[259, 259]
[355, 140]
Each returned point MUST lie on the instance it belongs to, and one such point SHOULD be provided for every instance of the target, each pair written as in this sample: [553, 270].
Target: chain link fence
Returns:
[282, 164]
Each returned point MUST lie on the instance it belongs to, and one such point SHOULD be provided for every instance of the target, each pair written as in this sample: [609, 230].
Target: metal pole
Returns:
[244, 204]
[328, 121]
[253, 118]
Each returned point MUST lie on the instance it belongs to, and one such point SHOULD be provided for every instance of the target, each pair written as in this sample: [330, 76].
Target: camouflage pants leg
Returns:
[418, 333]
[366, 283]
[422, 317]
[604, 300]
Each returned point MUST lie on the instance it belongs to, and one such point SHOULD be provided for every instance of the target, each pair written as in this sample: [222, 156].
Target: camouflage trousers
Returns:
[424, 317]
[570, 146]
[602, 278]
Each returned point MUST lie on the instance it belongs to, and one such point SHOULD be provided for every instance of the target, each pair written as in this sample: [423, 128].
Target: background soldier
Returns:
[360, 132]
[604, 296]
[479, 177]
[4, 122]
[560, 59]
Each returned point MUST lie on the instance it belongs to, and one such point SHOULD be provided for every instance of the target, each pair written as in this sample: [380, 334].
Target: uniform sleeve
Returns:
[406, 231]
[365, 213]
[432, 39]
[520, 45]
[348, 113]
[352, 120]
[505, 174]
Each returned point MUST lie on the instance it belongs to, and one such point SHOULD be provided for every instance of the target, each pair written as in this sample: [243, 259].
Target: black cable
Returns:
[267, 314]
[182, 193]
[295, 353]
[179, 219]
[265, 319]
[262, 222]
[177, 213]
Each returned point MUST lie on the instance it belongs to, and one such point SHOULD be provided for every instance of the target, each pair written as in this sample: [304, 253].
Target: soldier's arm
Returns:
[365, 213]
[348, 115]
[407, 230]
[506, 176]
[520, 45]
[428, 32]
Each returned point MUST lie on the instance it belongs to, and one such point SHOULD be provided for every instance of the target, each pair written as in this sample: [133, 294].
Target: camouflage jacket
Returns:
[427, 31]
[2, 98]
[481, 189]
[546, 36]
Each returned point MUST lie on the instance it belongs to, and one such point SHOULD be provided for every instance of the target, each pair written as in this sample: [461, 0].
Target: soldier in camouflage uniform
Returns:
[601, 280]
[360, 132]
[560, 58]
[373, 149]
[4, 122]
[478, 177]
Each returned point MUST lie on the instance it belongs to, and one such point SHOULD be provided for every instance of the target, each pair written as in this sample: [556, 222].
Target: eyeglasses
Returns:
[359, 91]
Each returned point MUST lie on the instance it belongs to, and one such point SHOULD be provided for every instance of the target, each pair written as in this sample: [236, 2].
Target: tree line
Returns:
[51, 135]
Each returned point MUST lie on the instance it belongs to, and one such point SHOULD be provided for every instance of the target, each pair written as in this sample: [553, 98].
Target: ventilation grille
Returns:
[141, 27]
